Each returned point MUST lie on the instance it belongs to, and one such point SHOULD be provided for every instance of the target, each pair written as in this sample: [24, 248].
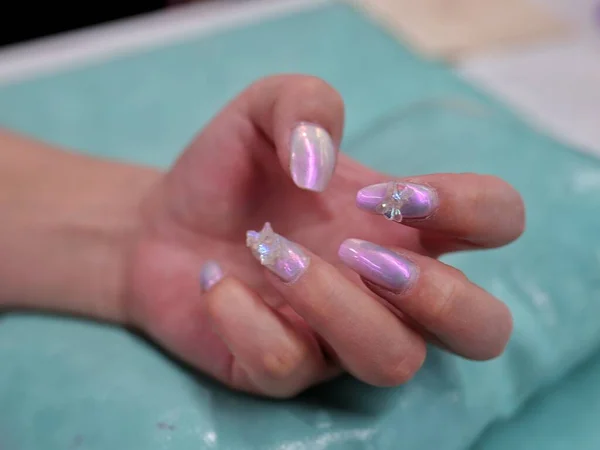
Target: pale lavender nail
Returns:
[312, 157]
[379, 265]
[210, 274]
[398, 200]
[282, 257]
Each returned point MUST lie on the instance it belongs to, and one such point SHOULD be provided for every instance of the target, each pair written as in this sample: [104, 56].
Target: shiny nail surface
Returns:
[397, 200]
[282, 257]
[379, 265]
[312, 157]
[210, 274]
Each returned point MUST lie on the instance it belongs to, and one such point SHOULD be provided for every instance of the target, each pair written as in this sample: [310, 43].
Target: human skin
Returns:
[126, 244]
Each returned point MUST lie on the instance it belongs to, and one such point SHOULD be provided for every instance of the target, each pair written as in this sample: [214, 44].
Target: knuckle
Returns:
[505, 333]
[321, 295]
[283, 363]
[317, 93]
[402, 368]
[500, 338]
[285, 393]
[513, 204]
[330, 293]
[491, 189]
[320, 102]
[214, 305]
[477, 199]
[217, 300]
[519, 219]
[310, 85]
[268, 81]
[457, 274]
[443, 305]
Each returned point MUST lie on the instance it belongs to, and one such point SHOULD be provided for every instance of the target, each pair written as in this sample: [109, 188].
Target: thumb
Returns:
[288, 125]
[303, 117]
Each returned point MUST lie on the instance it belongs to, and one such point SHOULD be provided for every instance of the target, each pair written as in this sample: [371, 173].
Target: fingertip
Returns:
[505, 206]
[520, 216]
[498, 340]
[401, 369]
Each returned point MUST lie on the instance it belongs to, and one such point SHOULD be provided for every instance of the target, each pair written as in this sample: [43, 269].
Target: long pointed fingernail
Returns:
[398, 200]
[282, 257]
[312, 158]
[210, 274]
[379, 265]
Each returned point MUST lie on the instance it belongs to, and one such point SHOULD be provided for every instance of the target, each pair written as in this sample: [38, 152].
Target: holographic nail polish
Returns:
[312, 157]
[379, 265]
[210, 274]
[398, 200]
[282, 257]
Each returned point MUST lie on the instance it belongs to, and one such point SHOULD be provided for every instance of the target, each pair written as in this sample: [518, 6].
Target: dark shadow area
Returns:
[24, 21]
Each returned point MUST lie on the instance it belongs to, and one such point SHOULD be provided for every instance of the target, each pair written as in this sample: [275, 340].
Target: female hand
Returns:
[343, 288]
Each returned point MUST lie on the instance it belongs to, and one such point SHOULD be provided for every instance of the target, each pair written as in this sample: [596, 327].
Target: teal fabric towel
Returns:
[68, 384]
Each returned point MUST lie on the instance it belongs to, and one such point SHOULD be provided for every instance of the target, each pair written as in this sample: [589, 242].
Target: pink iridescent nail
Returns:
[210, 274]
[398, 200]
[282, 257]
[312, 157]
[378, 265]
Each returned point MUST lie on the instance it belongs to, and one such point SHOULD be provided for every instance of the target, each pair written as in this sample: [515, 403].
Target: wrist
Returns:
[103, 228]
[69, 222]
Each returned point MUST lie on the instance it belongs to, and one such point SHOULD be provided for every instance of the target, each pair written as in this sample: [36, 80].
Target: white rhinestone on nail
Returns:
[265, 246]
[396, 196]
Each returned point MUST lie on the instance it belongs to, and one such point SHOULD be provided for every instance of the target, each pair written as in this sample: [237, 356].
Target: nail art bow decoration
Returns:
[396, 196]
[282, 257]
[265, 245]
[398, 200]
